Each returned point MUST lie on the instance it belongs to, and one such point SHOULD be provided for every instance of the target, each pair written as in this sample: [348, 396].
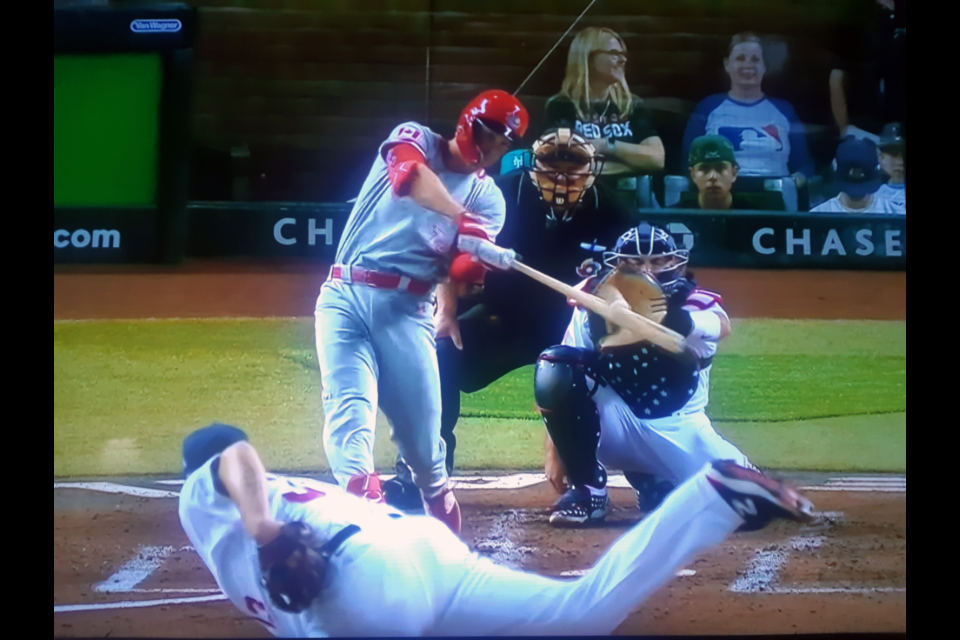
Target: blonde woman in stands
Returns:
[595, 100]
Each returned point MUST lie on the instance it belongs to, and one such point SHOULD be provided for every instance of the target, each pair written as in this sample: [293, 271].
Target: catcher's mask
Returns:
[565, 166]
[651, 249]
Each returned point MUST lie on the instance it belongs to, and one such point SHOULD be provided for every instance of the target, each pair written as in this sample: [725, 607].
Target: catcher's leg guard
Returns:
[563, 396]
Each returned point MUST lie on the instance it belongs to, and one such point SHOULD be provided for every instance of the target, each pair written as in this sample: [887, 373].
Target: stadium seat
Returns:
[673, 186]
[788, 189]
[519, 159]
[645, 197]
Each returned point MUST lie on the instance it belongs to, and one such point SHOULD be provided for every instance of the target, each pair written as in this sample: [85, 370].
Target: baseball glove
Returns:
[639, 292]
[293, 567]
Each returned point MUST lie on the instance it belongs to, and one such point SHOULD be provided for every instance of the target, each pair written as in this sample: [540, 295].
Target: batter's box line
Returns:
[136, 604]
[795, 591]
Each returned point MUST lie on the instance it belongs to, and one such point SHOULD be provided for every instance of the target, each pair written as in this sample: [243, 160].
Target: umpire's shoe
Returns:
[757, 498]
[401, 493]
[650, 492]
[580, 506]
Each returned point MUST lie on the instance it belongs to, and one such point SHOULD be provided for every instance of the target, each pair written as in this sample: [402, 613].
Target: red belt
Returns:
[380, 280]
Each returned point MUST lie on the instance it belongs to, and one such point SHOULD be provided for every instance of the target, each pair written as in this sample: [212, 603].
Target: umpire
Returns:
[557, 217]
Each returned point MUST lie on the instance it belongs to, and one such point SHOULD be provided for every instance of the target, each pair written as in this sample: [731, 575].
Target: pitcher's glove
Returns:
[293, 567]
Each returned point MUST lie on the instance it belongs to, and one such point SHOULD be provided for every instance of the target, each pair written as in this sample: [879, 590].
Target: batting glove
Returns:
[487, 252]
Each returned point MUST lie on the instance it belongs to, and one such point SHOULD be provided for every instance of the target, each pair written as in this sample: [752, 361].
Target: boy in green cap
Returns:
[714, 168]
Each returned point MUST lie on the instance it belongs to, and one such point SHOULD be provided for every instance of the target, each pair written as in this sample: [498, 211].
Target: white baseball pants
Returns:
[415, 577]
[376, 348]
[672, 448]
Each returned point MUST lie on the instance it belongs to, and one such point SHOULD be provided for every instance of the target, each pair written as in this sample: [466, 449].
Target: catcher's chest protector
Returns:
[652, 382]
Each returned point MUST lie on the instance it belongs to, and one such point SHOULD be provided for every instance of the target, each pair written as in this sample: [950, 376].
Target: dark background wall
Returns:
[294, 96]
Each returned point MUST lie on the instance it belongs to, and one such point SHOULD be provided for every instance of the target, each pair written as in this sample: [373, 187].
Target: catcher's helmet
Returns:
[497, 111]
[647, 241]
[565, 165]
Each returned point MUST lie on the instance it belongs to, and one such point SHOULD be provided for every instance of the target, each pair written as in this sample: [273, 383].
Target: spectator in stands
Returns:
[595, 101]
[857, 176]
[766, 134]
[893, 164]
[714, 169]
[870, 86]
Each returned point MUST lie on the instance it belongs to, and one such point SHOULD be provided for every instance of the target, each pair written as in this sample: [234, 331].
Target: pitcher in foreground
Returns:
[307, 559]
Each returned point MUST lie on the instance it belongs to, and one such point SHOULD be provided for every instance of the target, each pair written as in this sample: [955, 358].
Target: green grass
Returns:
[772, 370]
[856, 443]
[125, 394]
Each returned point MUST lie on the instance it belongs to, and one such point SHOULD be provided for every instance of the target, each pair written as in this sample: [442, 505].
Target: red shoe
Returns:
[445, 508]
[367, 487]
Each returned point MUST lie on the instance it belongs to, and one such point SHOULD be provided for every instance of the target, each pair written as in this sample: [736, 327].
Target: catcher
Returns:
[636, 408]
[307, 559]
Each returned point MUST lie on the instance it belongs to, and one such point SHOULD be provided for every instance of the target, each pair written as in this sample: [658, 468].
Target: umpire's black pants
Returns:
[499, 336]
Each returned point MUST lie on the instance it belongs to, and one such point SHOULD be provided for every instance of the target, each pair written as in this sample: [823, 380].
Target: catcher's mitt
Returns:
[294, 568]
[639, 292]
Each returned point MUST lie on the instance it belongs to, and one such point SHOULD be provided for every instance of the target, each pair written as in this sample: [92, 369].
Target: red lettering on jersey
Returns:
[305, 495]
[300, 491]
[256, 607]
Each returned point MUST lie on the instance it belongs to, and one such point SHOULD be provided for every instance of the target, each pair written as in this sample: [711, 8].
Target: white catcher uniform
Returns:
[675, 447]
[376, 345]
[411, 576]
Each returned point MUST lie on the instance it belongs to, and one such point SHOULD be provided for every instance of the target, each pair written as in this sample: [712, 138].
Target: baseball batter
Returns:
[556, 216]
[637, 408]
[374, 315]
[306, 559]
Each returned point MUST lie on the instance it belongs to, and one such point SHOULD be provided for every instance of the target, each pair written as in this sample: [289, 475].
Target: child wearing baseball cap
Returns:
[858, 178]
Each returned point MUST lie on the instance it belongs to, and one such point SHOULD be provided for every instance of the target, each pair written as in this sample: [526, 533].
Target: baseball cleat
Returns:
[403, 496]
[580, 506]
[445, 508]
[368, 487]
[650, 492]
[757, 498]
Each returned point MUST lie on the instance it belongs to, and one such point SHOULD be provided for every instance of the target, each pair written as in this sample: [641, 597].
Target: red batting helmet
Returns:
[496, 110]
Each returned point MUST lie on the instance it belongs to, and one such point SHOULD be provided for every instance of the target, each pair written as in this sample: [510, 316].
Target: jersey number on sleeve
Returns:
[408, 133]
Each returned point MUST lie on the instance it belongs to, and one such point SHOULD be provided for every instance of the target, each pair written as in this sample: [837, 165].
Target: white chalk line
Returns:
[110, 487]
[161, 591]
[136, 604]
[794, 591]
[860, 489]
[135, 571]
[510, 482]
[763, 570]
[682, 573]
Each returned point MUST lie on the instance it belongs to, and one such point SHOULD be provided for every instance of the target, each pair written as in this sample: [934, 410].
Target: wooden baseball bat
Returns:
[633, 327]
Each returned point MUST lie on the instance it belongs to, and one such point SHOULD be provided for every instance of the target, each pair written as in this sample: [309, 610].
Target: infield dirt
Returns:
[846, 575]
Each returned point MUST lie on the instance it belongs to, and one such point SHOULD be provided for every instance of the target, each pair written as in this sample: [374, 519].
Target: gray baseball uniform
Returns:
[376, 344]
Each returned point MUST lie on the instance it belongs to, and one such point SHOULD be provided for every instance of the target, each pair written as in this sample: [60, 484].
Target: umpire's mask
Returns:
[565, 166]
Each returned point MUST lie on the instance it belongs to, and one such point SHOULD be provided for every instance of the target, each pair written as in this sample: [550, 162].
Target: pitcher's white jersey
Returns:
[392, 234]
[213, 525]
[699, 301]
